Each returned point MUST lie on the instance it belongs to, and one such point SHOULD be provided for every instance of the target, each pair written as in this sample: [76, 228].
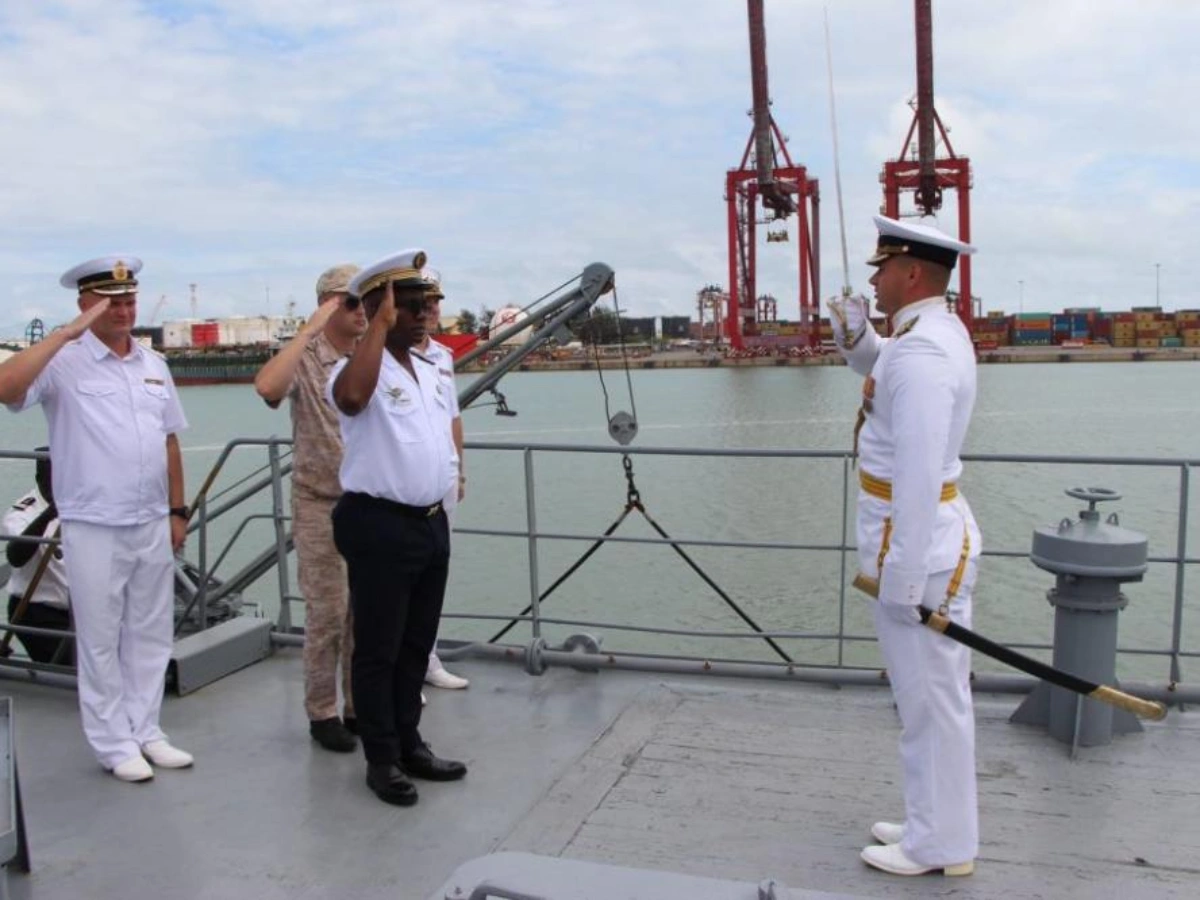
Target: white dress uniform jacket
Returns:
[406, 421]
[918, 398]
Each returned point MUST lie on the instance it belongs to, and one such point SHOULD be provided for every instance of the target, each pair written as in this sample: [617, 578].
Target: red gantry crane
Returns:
[767, 173]
[919, 168]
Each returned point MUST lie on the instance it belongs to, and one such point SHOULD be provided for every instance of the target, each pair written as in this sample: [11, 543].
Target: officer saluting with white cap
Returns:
[918, 543]
[113, 415]
[389, 525]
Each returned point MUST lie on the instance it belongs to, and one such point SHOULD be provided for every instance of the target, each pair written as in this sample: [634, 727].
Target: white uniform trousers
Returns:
[930, 674]
[121, 579]
[449, 504]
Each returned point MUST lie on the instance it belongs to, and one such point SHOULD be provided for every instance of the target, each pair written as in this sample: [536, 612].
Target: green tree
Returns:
[467, 323]
[601, 327]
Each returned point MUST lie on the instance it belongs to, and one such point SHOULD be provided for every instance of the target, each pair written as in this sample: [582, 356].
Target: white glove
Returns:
[850, 319]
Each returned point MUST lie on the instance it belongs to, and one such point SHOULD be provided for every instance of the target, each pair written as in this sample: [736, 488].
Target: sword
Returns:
[1146, 709]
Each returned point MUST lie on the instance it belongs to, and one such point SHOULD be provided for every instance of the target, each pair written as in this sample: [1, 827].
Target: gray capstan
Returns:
[1090, 559]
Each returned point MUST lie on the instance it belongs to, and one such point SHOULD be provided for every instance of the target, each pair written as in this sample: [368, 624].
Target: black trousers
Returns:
[42, 648]
[397, 564]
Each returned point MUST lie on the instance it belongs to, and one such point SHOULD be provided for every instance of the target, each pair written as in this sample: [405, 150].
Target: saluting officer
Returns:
[395, 415]
[113, 415]
[439, 354]
[300, 371]
[917, 539]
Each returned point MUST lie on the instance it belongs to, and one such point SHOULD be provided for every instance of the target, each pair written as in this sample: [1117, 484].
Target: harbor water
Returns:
[1142, 410]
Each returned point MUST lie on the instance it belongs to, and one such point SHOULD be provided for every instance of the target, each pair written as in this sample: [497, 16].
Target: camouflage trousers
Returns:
[328, 632]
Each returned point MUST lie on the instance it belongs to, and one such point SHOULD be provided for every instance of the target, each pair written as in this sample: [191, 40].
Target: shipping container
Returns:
[206, 334]
[1030, 338]
[675, 326]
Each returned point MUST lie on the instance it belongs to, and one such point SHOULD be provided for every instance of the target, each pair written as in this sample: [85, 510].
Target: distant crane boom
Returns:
[158, 308]
[773, 197]
[767, 174]
[934, 167]
[929, 193]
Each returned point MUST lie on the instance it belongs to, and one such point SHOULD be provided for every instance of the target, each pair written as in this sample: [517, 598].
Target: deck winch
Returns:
[1090, 559]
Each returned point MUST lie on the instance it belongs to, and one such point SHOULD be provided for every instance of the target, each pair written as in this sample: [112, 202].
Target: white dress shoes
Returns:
[890, 858]
[163, 755]
[133, 769]
[440, 678]
[888, 832]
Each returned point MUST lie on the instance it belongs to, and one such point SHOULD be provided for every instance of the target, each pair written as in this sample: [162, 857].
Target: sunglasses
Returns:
[415, 305]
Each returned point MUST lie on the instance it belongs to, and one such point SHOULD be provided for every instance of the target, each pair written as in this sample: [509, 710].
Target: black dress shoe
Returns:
[421, 763]
[351, 724]
[390, 785]
[332, 735]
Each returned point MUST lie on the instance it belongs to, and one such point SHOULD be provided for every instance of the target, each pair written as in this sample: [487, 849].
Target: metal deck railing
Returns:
[228, 520]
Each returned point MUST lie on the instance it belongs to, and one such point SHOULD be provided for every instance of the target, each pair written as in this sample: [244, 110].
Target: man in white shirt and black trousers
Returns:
[395, 416]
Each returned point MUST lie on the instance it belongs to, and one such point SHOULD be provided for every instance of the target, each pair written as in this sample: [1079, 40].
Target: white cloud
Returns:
[238, 144]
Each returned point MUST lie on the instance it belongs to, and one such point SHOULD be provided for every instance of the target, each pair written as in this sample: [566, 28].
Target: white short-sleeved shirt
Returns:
[52, 589]
[399, 447]
[441, 356]
[109, 418]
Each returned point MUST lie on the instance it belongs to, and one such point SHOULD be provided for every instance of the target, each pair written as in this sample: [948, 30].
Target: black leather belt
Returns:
[412, 512]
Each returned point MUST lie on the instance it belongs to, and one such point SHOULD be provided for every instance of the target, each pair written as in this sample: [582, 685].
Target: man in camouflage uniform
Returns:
[299, 371]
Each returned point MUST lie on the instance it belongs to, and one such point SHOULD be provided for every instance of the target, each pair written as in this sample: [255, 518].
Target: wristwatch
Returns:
[180, 511]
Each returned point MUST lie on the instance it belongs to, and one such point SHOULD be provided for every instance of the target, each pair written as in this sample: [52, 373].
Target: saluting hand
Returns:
[387, 309]
[319, 319]
[84, 320]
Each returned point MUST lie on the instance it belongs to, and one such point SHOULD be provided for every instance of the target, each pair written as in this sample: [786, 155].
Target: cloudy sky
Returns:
[244, 145]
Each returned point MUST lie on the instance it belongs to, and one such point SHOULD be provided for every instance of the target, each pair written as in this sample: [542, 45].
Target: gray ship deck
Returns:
[722, 778]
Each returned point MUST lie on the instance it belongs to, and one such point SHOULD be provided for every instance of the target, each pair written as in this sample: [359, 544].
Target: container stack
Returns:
[1032, 330]
[1124, 330]
[1148, 324]
[991, 331]
[1188, 321]
[1074, 325]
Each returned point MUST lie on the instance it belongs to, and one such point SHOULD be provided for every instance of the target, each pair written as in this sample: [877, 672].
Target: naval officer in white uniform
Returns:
[439, 354]
[113, 416]
[395, 415]
[918, 543]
